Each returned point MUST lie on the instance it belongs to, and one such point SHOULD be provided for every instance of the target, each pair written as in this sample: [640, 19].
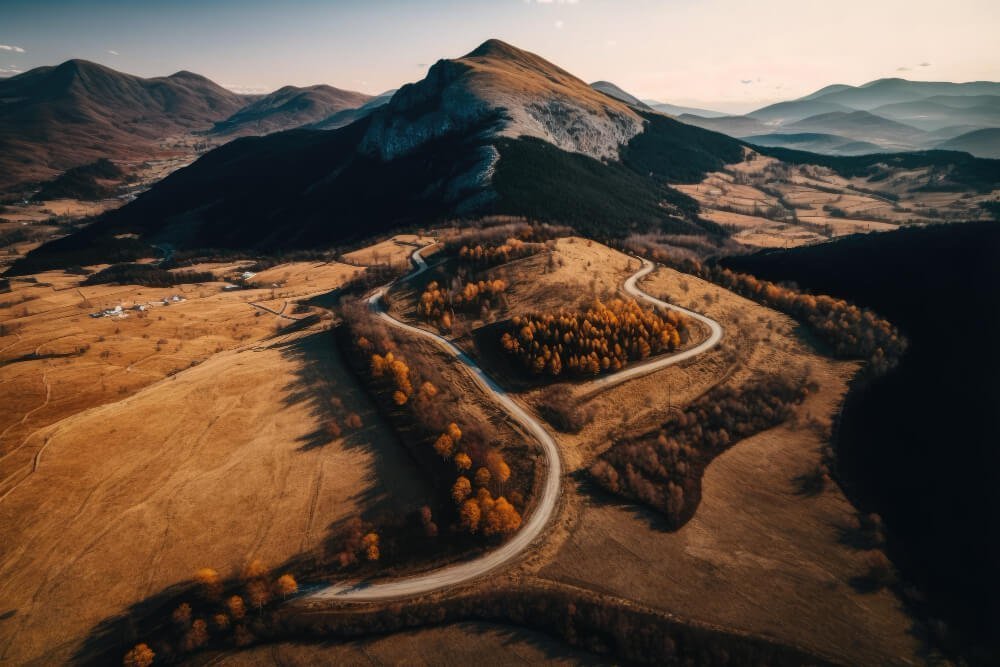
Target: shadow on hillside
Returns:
[601, 497]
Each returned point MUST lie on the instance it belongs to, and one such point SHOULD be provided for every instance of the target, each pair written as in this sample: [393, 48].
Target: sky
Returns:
[727, 55]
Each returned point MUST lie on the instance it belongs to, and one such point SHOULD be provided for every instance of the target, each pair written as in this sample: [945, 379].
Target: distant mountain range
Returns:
[883, 115]
[290, 107]
[497, 131]
[56, 118]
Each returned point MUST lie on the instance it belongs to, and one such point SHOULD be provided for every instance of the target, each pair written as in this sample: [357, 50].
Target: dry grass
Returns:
[761, 554]
[394, 251]
[120, 476]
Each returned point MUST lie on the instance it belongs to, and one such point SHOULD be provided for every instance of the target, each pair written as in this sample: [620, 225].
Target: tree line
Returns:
[217, 613]
[439, 305]
[851, 332]
[147, 275]
[663, 468]
[604, 338]
[464, 460]
[483, 256]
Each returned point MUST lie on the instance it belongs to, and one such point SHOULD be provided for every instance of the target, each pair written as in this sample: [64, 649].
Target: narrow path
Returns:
[458, 573]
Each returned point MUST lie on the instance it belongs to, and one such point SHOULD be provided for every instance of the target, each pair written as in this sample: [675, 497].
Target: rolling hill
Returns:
[55, 118]
[978, 142]
[347, 116]
[676, 110]
[861, 126]
[290, 107]
[815, 142]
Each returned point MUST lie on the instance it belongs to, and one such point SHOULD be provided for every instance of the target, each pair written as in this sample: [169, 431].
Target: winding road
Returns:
[468, 570]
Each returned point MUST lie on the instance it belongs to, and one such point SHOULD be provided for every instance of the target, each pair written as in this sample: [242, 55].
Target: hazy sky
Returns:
[730, 54]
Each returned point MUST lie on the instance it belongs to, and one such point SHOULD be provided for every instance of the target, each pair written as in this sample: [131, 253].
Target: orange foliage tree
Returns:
[140, 656]
[605, 337]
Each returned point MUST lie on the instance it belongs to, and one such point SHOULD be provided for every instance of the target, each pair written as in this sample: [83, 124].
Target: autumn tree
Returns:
[353, 421]
[482, 477]
[468, 515]
[501, 518]
[255, 576]
[209, 583]
[236, 607]
[285, 585]
[462, 461]
[499, 470]
[443, 445]
[140, 656]
[371, 546]
[181, 616]
[196, 636]
[461, 489]
[427, 521]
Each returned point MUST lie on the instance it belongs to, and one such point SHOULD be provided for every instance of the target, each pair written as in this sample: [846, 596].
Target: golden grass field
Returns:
[761, 555]
[190, 435]
[193, 435]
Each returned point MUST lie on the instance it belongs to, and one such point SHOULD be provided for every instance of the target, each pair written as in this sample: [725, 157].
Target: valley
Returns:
[496, 366]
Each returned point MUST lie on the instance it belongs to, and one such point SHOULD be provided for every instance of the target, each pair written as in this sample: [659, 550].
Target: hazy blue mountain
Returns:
[981, 143]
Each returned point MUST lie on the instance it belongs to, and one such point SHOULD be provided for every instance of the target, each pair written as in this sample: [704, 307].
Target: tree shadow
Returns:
[811, 484]
[601, 497]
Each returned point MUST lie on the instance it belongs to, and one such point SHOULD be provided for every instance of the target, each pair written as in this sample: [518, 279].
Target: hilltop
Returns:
[290, 107]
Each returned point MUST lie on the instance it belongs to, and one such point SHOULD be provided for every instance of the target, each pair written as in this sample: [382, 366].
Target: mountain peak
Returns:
[495, 48]
[504, 91]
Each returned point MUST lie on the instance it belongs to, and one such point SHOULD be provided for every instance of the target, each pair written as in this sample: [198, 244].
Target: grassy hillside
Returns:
[919, 445]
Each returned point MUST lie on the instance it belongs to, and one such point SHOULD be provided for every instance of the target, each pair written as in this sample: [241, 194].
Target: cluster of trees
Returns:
[625, 632]
[663, 468]
[359, 541]
[482, 256]
[852, 332]
[82, 182]
[438, 304]
[478, 509]
[147, 275]
[604, 338]
[217, 613]
[462, 459]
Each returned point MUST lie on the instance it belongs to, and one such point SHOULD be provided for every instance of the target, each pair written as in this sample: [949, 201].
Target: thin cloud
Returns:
[114, 53]
[924, 65]
[902, 69]
[746, 82]
[559, 25]
[8, 71]
[15, 49]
